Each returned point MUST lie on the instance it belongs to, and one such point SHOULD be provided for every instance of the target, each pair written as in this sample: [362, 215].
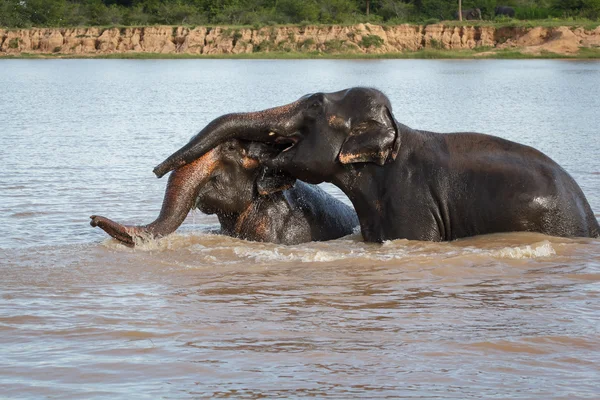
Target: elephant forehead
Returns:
[203, 165]
[336, 121]
[363, 97]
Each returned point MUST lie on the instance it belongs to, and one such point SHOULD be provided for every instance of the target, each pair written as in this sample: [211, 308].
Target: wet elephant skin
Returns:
[251, 201]
[403, 182]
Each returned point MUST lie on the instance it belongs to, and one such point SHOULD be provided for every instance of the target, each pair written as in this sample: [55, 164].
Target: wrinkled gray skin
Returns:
[403, 182]
[505, 10]
[470, 14]
[250, 200]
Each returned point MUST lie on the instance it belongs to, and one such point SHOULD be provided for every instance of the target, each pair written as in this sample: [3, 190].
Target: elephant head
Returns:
[239, 179]
[312, 138]
[227, 179]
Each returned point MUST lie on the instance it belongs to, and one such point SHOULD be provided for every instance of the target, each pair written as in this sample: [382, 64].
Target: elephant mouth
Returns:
[283, 144]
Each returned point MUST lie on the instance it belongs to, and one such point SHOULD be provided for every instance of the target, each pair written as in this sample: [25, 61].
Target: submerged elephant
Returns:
[403, 182]
[252, 202]
[471, 14]
[504, 10]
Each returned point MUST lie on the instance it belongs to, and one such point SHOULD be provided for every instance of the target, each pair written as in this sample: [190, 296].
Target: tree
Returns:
[395, 10]
[337, 11]
[460, 10]
[591, 9]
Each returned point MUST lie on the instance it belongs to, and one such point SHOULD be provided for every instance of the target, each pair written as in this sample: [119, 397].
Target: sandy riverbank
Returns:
[360, 41]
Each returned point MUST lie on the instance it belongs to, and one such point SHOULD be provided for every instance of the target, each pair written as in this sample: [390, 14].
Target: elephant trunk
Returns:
[254, 126]
[182, 189]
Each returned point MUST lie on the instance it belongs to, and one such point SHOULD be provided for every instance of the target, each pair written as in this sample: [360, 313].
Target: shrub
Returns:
[226, 33]
[265, 45]
[533, 12]
[371, 41]
[237, 35]
[431, 21]
[308, 42]
[334, 46]
[435, 44]
[395, 10]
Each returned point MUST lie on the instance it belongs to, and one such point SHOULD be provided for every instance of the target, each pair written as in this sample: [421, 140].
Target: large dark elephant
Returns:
[403, 182]
[470, 14]
[252, 202]
[504, 10]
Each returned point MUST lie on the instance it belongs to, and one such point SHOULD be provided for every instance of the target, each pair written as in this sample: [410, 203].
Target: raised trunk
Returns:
[254, 126]
[180, 195]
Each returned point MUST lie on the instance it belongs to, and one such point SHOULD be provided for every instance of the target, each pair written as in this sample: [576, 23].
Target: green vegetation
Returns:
[13, 43]
[434, 44]
[479, 53]
[258, 13]
[335, 46]
[544, 23]
[307, 43]
[371, 41]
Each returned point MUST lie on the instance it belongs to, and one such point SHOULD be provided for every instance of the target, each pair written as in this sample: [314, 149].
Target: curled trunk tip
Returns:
[122, 233]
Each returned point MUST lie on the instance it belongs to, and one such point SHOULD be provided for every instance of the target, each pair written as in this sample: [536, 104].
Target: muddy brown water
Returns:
[198, 315]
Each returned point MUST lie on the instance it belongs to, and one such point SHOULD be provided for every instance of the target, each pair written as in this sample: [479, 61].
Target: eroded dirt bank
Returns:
[360, 38]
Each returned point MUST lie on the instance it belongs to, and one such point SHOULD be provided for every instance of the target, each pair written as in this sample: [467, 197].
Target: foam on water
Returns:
[218, 249]
[542, 249]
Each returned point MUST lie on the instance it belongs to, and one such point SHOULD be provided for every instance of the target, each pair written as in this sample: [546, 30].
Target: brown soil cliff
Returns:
[361, 38]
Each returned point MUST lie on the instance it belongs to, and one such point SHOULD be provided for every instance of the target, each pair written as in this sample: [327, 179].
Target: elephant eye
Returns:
[214, 178]
[317, 103]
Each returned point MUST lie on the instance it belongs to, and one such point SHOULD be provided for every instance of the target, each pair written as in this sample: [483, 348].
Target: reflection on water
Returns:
[198, 315]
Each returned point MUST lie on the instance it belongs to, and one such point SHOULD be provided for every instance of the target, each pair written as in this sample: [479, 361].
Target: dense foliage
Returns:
[26, 13]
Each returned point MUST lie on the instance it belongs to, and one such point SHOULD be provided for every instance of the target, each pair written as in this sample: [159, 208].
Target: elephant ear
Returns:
[272, 181]
[373, 140]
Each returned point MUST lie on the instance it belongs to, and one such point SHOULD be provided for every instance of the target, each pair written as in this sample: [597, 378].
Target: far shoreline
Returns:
[585, 54]
[446, 40]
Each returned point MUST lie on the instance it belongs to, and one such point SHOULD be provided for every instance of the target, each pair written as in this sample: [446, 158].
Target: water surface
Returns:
[201, 315]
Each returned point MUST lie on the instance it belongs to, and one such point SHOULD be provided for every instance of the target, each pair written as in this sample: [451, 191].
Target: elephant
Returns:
[504, 10]
[473, 13]
[251, 201]
[406, 183]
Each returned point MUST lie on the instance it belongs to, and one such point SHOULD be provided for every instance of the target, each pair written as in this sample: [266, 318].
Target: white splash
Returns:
[536, 250]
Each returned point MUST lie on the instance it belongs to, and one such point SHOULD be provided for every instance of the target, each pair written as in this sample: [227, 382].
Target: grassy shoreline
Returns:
[512, 54]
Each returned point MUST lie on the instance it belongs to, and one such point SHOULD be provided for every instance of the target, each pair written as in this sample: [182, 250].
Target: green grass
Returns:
[501, 23]
[586, 53]
[517, 23]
